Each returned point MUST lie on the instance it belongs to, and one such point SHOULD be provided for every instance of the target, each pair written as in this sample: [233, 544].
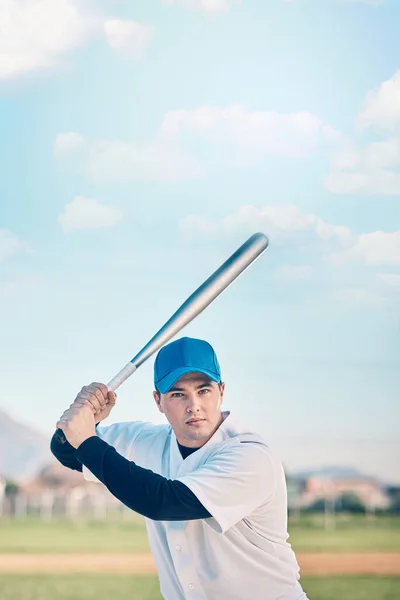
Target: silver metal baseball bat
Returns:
[193, 306]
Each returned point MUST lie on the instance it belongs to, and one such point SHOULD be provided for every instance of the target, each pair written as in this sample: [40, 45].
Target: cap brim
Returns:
[166, 384]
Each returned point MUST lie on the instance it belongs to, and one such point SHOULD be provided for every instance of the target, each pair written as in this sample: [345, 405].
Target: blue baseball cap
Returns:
[186, 355]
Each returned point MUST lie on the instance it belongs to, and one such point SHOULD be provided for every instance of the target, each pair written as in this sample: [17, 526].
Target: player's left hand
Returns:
[78, 424]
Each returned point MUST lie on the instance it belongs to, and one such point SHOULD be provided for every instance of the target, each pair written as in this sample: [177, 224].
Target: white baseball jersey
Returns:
[241, 552]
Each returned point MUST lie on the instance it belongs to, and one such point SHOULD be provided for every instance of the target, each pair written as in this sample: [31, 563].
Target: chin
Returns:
[198, 435]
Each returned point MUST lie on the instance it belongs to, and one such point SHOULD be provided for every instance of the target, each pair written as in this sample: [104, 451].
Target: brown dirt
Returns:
[349, 564]
[310, 563]
[75, 563]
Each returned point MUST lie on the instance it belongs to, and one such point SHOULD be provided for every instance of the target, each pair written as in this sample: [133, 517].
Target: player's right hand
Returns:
[97, 396]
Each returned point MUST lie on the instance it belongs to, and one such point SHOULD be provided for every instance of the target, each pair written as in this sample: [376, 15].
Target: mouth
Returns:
[195, 422]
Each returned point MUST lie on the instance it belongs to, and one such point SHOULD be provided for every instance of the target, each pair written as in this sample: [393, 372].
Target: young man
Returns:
[212, 492]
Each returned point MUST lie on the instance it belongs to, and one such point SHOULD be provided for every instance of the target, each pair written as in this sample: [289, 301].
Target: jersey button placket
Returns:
[183, 562]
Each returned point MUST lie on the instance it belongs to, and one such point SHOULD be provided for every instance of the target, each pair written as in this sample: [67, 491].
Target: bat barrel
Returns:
[205, 294]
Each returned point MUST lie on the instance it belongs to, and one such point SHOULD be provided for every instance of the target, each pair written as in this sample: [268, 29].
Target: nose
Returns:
[193, 403]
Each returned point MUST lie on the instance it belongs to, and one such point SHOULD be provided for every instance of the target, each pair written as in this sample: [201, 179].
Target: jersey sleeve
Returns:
[128, 438]
[234, 482]
[142, 490]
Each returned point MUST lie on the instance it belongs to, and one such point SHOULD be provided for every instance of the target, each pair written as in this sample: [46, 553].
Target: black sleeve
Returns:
[65, 454]
[142, 490]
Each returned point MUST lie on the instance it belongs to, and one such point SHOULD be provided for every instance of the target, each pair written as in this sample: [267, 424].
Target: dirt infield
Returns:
[77, 563]
[310, 563]
[381, 563]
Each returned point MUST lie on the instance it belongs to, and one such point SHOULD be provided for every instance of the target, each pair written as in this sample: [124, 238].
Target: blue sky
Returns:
[141, 143]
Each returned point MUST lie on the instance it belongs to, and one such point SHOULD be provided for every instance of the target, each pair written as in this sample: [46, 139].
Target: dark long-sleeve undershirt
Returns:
[142, 490]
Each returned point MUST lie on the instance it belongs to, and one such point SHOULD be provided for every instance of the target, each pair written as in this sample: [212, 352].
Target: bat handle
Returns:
[121, 376]
[112, 386]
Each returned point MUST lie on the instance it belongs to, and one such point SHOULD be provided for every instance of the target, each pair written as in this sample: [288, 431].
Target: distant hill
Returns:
[23, 451]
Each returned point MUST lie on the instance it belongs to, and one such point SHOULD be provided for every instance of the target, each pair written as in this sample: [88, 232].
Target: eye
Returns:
[176, 394]
[204, 391]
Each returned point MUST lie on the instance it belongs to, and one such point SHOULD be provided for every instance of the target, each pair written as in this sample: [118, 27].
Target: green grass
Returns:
[78, 587]
[351, 588]
[63, 536]
[123, 587]
[307, 535]
[351, 534]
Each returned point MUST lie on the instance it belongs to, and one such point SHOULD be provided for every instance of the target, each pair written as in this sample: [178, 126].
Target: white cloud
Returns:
[375, 167]
[376, 155]
[88, 213]
[68, 142]
[128, 38]
[117, 161]
[231, 136]
[35, 34]
[246, 135]
[381, 109]
[288, 224]
[379, 183]
[293, 273]
[376, 248]
[392, 279]
[320, 248]
[206, 5]
[280, 222]
[10, 244]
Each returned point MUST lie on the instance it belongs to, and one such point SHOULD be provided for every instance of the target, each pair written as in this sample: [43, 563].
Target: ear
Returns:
[157, 398]
[222, 391]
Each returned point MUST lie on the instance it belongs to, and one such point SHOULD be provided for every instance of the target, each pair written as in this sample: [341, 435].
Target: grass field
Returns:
[122, 587]
[307, 535]
[351, 534]
[63, 536]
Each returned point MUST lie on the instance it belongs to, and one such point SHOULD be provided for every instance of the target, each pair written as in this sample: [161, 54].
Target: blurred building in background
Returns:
[352, 494]
[57, 491]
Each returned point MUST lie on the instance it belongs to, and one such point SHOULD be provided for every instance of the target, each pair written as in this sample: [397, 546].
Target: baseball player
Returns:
[211, 490]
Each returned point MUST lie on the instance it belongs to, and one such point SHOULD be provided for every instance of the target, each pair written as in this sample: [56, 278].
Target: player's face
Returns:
[193, 408]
